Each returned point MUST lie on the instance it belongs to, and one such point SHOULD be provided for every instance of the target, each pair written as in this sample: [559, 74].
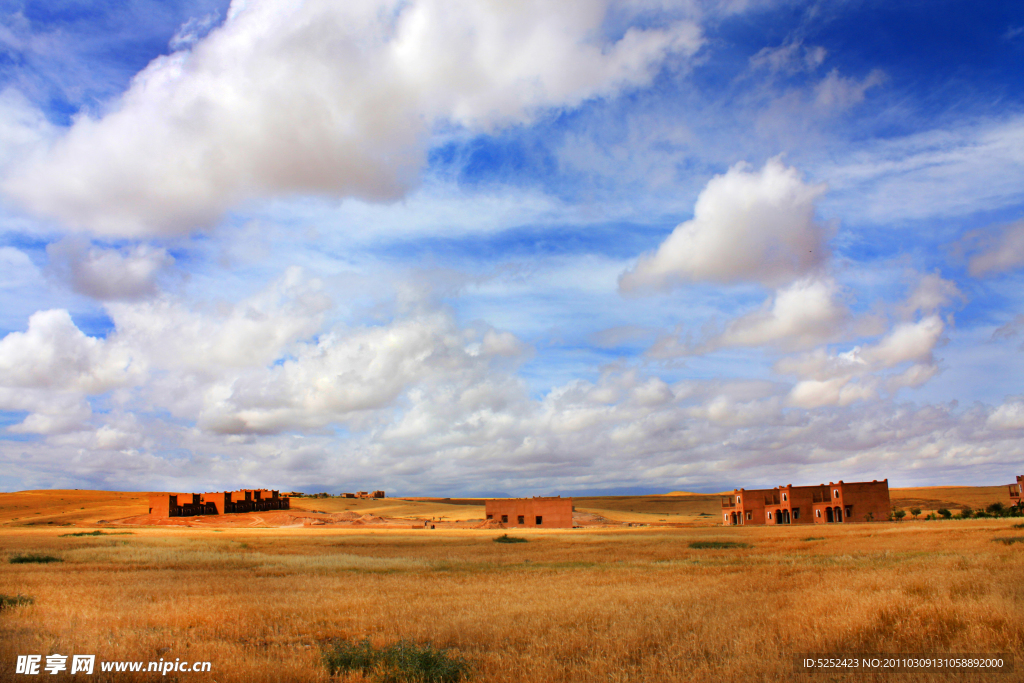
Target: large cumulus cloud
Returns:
[747, 226]
[326, 98]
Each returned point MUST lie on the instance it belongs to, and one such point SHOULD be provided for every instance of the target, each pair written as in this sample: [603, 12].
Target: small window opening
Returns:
[540, 520]
[750, 515]
[504, 519]
[817, 513]
[769, 515]
[796, 513]
[490, 516]
[521, 520]
[836, 493]
[784, 497]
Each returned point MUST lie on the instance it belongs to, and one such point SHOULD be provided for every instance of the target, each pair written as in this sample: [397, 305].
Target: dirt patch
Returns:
[489, 524]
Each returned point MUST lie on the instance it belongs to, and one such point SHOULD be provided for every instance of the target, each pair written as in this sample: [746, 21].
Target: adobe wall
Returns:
[796, 502]
[837, 502]
[216, 503]
[160, 505]
[750, 501]
[555, 513]
[868, 501]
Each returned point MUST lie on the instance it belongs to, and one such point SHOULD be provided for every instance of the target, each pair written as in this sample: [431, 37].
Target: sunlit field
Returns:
[577, 605]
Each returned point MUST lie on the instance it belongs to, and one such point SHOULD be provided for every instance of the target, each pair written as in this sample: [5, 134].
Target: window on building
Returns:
[737, 499]
[490, 516]
[726, 518]
[817, 513]
[849, 511]
[836, 493]
[750, 515]
[504, 519]
[796, 513]
[769, 515]
[784, 497]
[540, 520]
[522, 520]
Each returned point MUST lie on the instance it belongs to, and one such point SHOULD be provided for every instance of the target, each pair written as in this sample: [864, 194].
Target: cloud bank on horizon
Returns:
[510, 248]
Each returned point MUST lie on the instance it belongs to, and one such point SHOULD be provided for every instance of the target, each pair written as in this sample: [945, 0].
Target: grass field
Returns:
[582, 605]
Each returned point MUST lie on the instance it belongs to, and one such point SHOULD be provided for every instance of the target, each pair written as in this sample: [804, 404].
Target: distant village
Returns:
[833, 503]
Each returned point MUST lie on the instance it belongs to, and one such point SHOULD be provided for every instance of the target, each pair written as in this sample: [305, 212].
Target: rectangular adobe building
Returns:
[531, 513]
[866, 501]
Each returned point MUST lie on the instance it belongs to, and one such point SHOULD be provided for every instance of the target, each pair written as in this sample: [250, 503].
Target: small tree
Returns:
[996, 509]
[915, 512]
[966, 512]
[899, 514]
[944, 513]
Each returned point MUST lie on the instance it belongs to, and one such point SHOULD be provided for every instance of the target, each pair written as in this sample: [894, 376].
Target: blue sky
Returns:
[516, 248]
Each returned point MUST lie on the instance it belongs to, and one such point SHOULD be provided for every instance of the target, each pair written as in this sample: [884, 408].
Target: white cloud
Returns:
[999, 251]
[955, 169]
[836, 93]
[791, 57]
[800, 315]
[193, 30]
[1010, 415]
[931, 293]
[747, 226]
[108, 274]
[856, 375]
[54, 353]
[346, 375]
[325, 98]
[22, 127]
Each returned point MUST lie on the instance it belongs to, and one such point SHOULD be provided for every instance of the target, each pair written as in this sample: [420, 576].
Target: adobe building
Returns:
[220, 503]
[531, 513]
[838, 502]
[1015, 491]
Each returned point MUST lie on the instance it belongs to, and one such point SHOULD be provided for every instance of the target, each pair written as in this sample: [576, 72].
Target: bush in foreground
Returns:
[9, 601]
[1009, 541]
[39, 559]
[700, 545]
[505, 538]
[98, 533]
[401, 662]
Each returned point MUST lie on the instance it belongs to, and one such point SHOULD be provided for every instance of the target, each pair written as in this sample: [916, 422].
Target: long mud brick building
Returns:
[539, 513]
[220, 503]
[866, 501]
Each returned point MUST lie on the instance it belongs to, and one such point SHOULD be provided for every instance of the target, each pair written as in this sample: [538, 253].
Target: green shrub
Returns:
[701, 545]
[401, 662]
[40, 559]
[8, 601]
[966, 512]
[944, 513]
[98, 533]
[1018, 526]
[996, 509]
[813, 538]
[505, 538]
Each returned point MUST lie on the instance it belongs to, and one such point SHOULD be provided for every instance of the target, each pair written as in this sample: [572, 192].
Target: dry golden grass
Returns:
[581, 605]
[69, 506]
[393, 507]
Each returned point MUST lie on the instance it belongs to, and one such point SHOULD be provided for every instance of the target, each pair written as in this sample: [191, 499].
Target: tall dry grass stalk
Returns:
[631, 605]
